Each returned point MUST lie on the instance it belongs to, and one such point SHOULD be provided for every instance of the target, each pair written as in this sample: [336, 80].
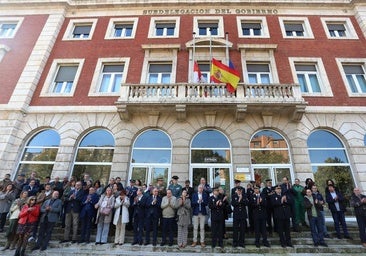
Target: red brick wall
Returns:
[98, 47]
[21, 47]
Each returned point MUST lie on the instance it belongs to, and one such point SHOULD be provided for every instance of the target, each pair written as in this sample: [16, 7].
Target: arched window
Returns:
[39, 154]
[329, 160]
[211, 159]
[94, 156]
[270, 157]
[151, 157]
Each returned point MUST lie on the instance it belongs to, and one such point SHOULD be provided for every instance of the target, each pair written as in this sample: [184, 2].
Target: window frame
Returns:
[11, 20]
[163, 20]
[75, 22]
[52, 73]
[254, 19]
[258, 74]
[351, 61]
[160, 74]
[116, 21]
[308, 33]
[350, 30]
[211, 19]
[325, 88]
[96, 81]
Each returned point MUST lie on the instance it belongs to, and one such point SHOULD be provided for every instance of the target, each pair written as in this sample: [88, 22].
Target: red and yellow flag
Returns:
[221, 73]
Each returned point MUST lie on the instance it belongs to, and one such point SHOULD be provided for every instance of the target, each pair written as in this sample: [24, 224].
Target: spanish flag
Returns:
[221, 73]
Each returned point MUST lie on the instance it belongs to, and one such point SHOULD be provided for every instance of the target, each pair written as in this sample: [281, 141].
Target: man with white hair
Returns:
[199, 203]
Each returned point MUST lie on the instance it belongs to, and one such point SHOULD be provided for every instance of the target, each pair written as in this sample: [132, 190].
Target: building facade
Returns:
[107, 88]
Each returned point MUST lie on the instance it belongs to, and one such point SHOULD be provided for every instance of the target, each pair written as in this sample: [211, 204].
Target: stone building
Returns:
[106, 88]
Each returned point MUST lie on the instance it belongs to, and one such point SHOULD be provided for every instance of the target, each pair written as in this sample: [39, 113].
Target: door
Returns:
[150, 174]
[276, 173]
[215, 177]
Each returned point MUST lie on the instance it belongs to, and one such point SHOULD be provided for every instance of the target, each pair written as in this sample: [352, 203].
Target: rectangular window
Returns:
[356, 78]
[64, 79]
[122, 30]
[251, 29]
[307, 75]
[81, 31]
[259, 73]
[164, 29]
[111, 78]
[205, 71]
[294, 29]
[337, 30]
[159, 73]
[207, 29]
[7, 29]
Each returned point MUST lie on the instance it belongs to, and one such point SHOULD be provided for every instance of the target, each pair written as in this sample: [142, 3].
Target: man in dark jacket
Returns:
[268, 191]
[358, 201]
[199, 202]
[87, 214]
[217, 218]
[239, 202]
[258, 204]
[336, 205]
[152, 215]
[138, 216]
[282, 214]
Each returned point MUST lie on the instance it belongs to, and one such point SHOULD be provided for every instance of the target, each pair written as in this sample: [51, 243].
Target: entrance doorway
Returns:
[276, 173]
[215, 176]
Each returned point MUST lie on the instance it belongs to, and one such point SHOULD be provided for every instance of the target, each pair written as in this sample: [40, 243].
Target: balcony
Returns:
[185, 99]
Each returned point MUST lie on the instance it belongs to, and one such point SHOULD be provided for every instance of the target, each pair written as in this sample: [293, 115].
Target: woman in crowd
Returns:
[104, 216]
[98, 187]
[7, 196]
[28, 217]
[13, 220]
[121, 217]
[184, 218]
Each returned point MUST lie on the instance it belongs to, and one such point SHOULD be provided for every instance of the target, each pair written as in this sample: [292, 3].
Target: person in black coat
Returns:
[87, 214]
[239, 202]
[188, 188]
[287, 189]
[258, 204]
[282, 214]
[152, 214]
[217, 218]
[336, 205]
[268, 191]
[358, 201]
[139, 203]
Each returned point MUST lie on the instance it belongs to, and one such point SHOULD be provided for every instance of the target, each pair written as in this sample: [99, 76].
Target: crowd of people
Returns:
[34, 208]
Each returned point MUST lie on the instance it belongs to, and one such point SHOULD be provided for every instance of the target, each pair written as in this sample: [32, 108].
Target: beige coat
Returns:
[117, 206]
[184, 212]
[110, 203]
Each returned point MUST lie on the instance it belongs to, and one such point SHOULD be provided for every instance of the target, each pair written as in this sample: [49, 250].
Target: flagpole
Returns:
[210, 52]
[227, 47]
[193, 55]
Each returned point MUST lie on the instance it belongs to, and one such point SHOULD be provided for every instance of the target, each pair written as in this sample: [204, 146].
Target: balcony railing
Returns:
[251, 97]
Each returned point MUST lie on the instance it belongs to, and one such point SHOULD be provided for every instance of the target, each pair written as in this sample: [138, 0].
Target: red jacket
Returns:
[26, 216]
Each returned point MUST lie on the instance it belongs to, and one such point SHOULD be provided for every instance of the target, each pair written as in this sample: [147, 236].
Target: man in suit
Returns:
[152, 215]
[287, 189]
[138, 216]
[282, 214]
[239, 202]
[87, 214]
[32, 188]
[199, 202]
[217, 218]
[168, 206]
[131, 192]
[258, 204]
[50, 210]
[236, 185]
[336, 205]
[72, 210]
[189, 189]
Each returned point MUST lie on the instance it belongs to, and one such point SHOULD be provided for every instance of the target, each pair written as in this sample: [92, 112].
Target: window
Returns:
[354, 75]
[329, 160]
[80, 29]
[121, 28]
[293, 27]
[109, 75]
[9, 27]
[164, 27]
[159, 73]
[151, 157]
[94, 156]
[205, 71]
[209, 26]
[40, 153]
[258, 73]
[307, 76]
[62, 78]
[339, 28]
[252, 27]
[311, 75]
